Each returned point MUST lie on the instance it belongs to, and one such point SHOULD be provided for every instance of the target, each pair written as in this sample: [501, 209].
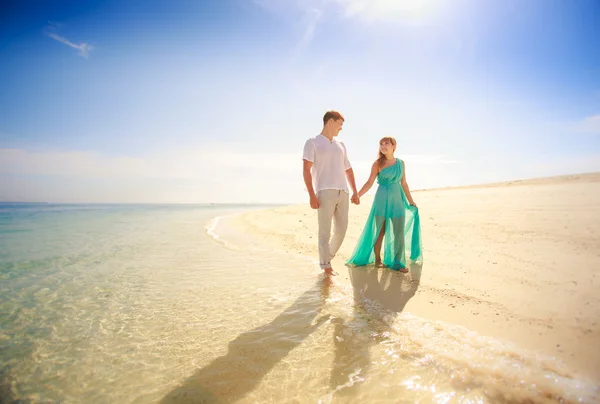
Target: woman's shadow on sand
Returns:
[390, 289]
[254, 353]
[353, 339]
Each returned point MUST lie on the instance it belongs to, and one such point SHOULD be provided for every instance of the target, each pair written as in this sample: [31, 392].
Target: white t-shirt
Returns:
[330, 162]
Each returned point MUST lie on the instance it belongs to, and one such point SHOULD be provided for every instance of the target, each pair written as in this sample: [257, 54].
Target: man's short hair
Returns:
[336, 116]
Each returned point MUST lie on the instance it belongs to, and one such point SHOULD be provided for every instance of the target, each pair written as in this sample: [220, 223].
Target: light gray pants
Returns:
[333, 204]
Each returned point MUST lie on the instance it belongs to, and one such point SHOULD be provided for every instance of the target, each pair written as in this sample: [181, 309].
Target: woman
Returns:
[394, 218]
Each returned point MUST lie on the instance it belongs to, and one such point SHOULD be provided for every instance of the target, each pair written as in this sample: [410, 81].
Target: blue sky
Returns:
[211, 101]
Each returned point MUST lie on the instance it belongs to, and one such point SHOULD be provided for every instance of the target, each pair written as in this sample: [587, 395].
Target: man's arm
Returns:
[350, 177]
[314, 201]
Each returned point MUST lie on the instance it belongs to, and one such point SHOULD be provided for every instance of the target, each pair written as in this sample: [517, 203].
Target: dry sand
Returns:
[517, 261]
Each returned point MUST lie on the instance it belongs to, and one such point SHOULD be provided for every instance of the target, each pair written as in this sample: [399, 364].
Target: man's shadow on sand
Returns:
[370, 324]
[254, 353]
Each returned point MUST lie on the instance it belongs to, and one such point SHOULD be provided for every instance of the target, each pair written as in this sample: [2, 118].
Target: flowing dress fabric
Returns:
[402, 224]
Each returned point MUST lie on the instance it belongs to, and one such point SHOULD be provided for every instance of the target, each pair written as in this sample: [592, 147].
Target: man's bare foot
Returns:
[329, 271]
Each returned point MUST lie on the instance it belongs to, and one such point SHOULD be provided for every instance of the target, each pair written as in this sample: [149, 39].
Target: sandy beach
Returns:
[517, 261]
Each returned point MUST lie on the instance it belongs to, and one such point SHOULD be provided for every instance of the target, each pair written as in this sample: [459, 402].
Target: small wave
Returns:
[211, 228]
[217, 230]
[442, 362]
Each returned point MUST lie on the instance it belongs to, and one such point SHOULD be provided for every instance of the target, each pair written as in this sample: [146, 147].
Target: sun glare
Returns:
[392, 9]
[410, 8]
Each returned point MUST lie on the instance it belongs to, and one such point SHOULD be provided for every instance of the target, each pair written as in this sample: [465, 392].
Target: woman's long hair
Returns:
[381, 158]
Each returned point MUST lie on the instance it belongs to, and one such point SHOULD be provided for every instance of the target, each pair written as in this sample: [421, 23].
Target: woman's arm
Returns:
[370, 181]
[405, 186]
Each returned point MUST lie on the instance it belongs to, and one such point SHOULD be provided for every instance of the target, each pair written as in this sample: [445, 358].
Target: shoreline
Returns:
[516, 263]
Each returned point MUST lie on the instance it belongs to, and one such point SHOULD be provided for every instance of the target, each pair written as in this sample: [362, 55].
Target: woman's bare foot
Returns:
[403, 270]
[329, 271]
[379, 264]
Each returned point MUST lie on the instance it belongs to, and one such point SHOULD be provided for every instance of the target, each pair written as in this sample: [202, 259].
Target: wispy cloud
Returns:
[191, 164]
[429, 159]
[387, 9]
[83, 48]
[313, 17]
[306, 14]
[564, 165]
[366, 10]
[590, 124]
[179, 176]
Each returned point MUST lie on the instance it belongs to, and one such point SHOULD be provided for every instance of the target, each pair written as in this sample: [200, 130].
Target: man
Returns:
[326, 169]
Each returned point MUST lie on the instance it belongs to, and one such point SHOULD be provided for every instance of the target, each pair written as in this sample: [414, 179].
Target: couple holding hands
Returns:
[393, 222]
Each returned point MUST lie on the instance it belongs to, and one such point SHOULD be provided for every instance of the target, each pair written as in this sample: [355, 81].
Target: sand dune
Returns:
[518, 261]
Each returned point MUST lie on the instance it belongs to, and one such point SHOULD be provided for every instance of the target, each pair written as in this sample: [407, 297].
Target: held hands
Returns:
[314, 201]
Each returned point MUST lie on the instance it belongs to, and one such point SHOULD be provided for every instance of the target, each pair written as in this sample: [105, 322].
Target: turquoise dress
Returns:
[402, 224]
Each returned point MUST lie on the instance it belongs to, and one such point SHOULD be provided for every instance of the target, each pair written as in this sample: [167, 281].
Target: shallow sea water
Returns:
[167, 304]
